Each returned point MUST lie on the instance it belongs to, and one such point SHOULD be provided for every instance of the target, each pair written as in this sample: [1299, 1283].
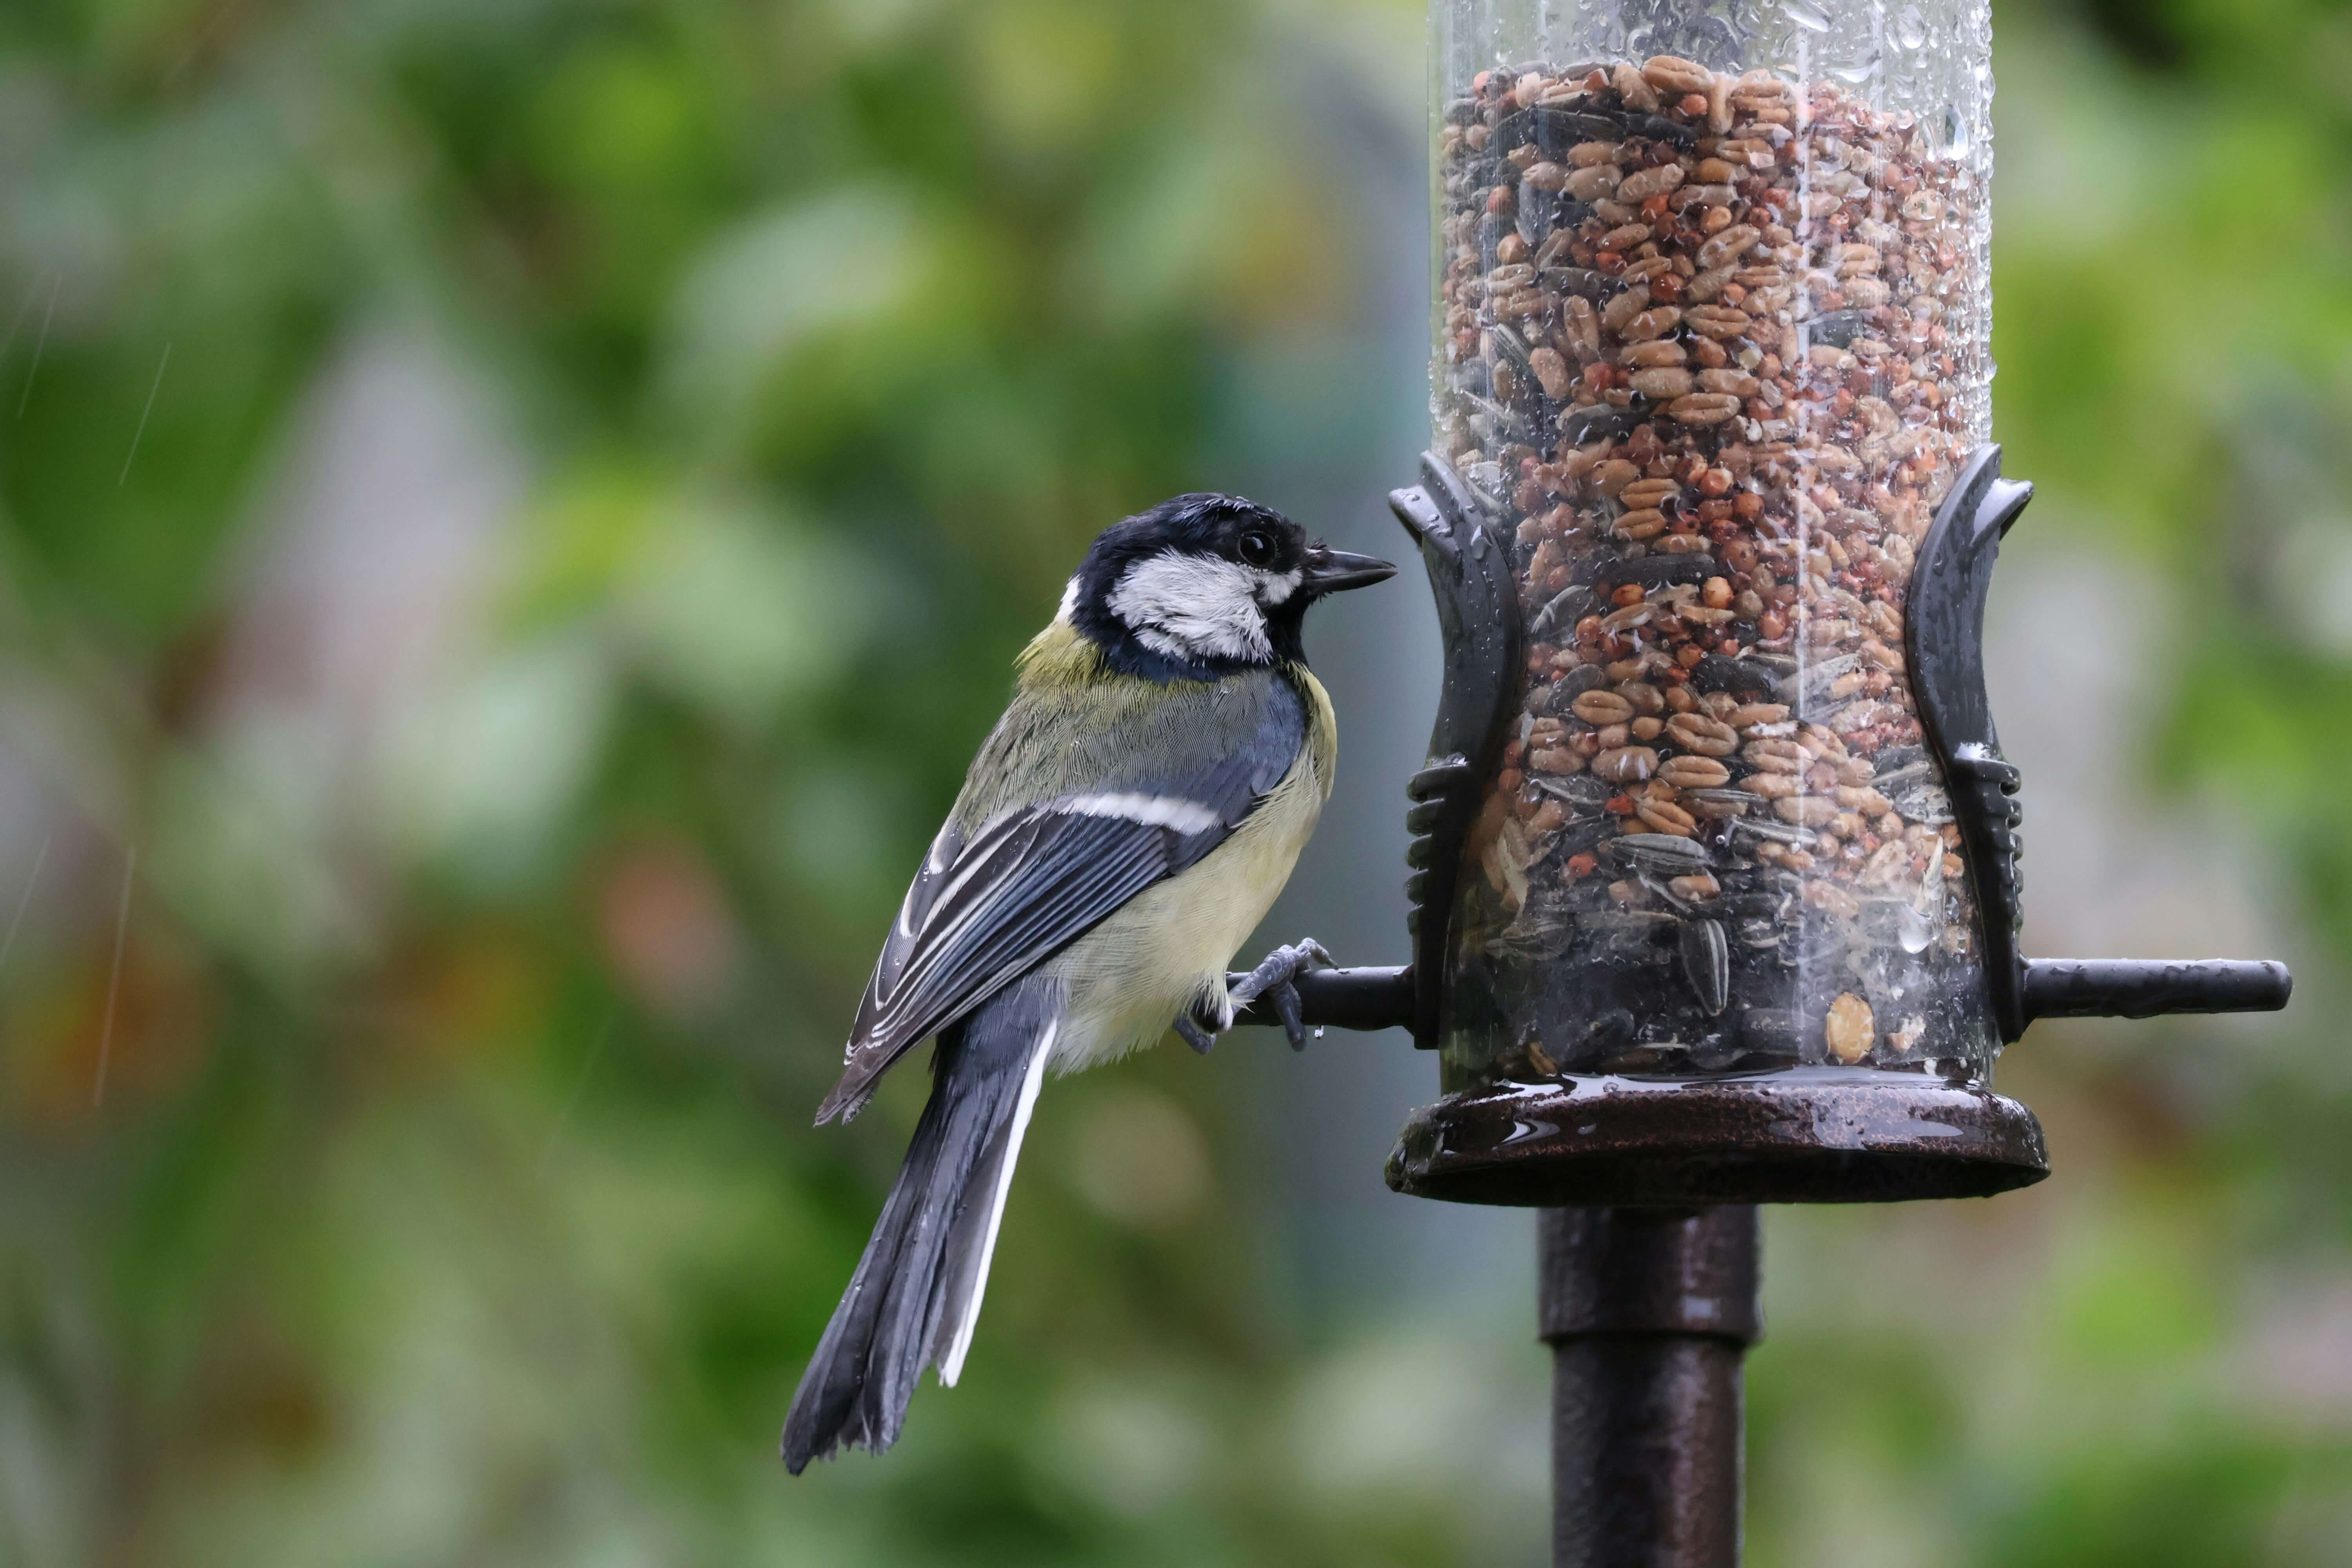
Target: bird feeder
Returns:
[1715, 888]
[1716, 891]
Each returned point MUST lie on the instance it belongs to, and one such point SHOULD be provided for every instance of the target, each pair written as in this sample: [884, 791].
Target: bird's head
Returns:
[1204, 584]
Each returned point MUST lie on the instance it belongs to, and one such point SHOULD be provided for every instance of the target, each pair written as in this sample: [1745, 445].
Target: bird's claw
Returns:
[1280, 967]
[1275, 979]
[1193, 1035]
[1284, 998]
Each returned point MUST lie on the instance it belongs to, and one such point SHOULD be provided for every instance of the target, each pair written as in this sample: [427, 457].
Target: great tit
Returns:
[1124, 829]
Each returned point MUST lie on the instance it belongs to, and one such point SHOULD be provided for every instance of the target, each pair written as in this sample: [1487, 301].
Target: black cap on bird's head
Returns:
[1206, 584]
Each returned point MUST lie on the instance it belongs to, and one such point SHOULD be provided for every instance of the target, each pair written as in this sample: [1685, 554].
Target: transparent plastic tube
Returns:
[1711, 339]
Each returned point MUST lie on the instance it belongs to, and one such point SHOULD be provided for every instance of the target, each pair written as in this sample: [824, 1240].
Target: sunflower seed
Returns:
[1706, 963]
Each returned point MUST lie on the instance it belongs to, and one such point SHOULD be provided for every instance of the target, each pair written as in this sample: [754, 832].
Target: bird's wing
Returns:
[1032, 877]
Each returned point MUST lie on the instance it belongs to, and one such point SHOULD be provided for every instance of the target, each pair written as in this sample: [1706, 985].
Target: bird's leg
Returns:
[1275, 979]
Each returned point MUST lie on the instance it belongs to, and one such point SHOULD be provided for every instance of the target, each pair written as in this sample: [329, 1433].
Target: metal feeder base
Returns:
[1808, 1135]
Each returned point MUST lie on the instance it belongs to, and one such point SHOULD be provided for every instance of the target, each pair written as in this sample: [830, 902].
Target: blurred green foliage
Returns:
[517, 514]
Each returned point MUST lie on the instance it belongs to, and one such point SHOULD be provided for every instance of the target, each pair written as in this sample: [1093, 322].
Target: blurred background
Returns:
[514, 515]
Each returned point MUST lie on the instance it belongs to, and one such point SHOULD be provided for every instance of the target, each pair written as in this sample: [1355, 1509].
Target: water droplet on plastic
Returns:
[1805, 16]
[1957, 141]
[1855, 75]
[1912, 930]
[1911, 29]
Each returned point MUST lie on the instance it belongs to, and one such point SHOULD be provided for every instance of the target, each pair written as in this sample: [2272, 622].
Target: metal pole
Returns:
[1648, 1312]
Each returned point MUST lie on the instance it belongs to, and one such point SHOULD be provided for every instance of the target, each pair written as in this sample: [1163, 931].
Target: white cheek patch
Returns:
[1069, 602]
[1194, 606]
[1275, 587]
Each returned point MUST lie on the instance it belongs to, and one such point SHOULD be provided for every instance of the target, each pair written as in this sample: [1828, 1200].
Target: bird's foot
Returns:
[1275, 979]
[1194, 1034]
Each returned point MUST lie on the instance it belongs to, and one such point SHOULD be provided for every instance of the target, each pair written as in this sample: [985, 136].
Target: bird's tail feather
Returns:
[915, 1294]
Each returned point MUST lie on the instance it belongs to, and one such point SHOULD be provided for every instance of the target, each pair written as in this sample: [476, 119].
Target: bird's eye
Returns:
[1256, 547]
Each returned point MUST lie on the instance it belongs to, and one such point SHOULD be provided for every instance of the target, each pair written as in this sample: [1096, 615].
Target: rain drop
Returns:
[1805, 16]
[1911, 29]
[1956, 140]
[1912, 929]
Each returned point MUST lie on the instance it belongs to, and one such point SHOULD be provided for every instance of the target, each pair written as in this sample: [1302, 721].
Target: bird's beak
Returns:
[1336, 570]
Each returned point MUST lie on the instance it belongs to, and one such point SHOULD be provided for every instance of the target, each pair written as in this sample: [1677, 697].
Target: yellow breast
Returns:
[1131, 976]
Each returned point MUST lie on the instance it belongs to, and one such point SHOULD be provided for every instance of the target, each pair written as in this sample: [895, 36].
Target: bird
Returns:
[1123, 829]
